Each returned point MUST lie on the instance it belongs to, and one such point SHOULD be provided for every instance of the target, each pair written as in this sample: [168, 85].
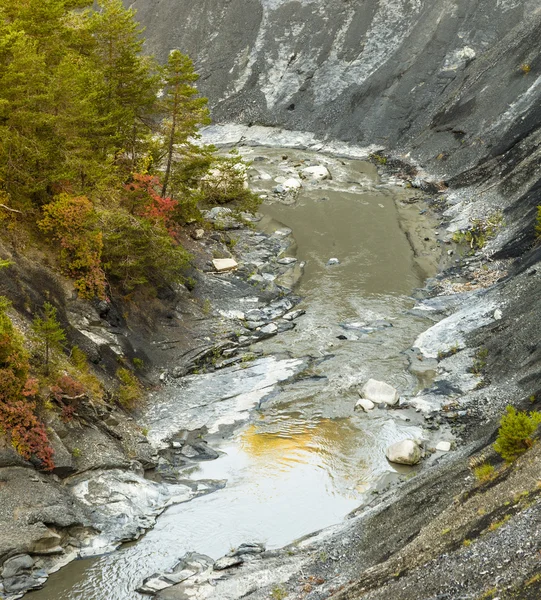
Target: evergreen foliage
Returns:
[48, 333]
[515, 434]
[84, 117]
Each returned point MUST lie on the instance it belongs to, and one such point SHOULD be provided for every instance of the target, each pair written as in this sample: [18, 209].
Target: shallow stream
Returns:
[294, 454]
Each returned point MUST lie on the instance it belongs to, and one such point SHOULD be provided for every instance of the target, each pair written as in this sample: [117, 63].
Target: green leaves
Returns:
[48, 333]
[515, 433]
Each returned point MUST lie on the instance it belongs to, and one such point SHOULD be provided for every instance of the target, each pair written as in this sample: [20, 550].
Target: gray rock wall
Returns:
[435, 76]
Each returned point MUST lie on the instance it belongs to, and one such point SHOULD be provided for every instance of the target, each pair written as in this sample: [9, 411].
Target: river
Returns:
[295, 456]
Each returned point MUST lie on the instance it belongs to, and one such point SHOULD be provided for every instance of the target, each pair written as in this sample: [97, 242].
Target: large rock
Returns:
[379, 392]
[316, 173]
[291, 184]
[406, 452]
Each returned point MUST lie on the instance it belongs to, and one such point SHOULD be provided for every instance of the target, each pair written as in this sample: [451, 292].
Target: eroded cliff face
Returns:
[435, 76]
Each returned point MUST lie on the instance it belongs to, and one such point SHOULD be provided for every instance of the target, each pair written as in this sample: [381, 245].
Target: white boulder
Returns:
[365, 404]
[406, 452]
[291, 184]
[379, 392]
[224, 264]
[316, 173]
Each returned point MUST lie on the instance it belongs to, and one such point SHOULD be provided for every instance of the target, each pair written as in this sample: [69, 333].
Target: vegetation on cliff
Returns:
[101, 166]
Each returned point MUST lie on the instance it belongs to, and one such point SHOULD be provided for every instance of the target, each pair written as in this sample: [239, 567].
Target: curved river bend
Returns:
[295, 457]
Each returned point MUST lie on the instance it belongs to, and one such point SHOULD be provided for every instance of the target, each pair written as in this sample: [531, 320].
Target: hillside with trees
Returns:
[100, 167]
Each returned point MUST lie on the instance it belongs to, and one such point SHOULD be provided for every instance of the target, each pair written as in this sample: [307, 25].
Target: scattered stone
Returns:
[333, 261]
[270, 328]
[294, 314]
[365, 404]
[198, 234]
[443, 446]
[224, 264]
[379, 392]
[291, 184]
[406, 452]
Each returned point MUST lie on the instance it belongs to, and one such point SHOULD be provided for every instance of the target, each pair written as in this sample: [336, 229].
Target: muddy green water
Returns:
[305, 458]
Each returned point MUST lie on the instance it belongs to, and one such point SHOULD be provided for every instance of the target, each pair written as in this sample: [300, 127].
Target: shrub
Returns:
[226, 183]
[480, 231]
[129, 391]
[18, 418]
[515, 433]
[137, 251]
[484, 472]
[71, 221]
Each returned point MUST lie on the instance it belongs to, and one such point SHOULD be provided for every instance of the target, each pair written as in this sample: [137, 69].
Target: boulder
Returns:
[224, 264]
[333, 261]
[286, 260]
[379, 392]
[365, 404]
[291, 184]
[316, 173]
[406, 452]
[198, 234]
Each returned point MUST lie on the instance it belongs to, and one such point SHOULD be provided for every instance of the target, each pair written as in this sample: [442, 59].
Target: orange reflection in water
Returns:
[331, 445]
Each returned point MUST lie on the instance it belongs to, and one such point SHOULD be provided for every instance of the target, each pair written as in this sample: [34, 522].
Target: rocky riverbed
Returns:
[286, 410]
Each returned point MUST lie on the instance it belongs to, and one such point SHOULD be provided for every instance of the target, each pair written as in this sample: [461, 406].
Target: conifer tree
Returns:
[183, 111]
[48, 333]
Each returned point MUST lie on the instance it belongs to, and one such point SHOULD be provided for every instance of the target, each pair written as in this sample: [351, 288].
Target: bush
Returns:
[226, 183]
[484, 472]
[515, 433]
[129, 393]
[71, 222]
[137, 251]
[18, 391]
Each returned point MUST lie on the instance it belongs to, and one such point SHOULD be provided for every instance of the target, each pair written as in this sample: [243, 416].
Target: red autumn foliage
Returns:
[145, 200]
[18, 416]
[67, 386]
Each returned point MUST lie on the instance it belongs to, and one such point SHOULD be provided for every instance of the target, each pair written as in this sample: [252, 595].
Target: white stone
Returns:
[264, 176]
[497, 314]
[316, 173]
[406, 452]
[379, 391]
[280, 179]
[333, 261]
[443, 446]
[270, 328]
[224, 264]
[198, 234]
[365, 404]
[291, 184]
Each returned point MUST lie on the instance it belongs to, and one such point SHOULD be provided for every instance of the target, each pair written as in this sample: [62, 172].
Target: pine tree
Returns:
[48, 333]
[183, 111]
[130, 80]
